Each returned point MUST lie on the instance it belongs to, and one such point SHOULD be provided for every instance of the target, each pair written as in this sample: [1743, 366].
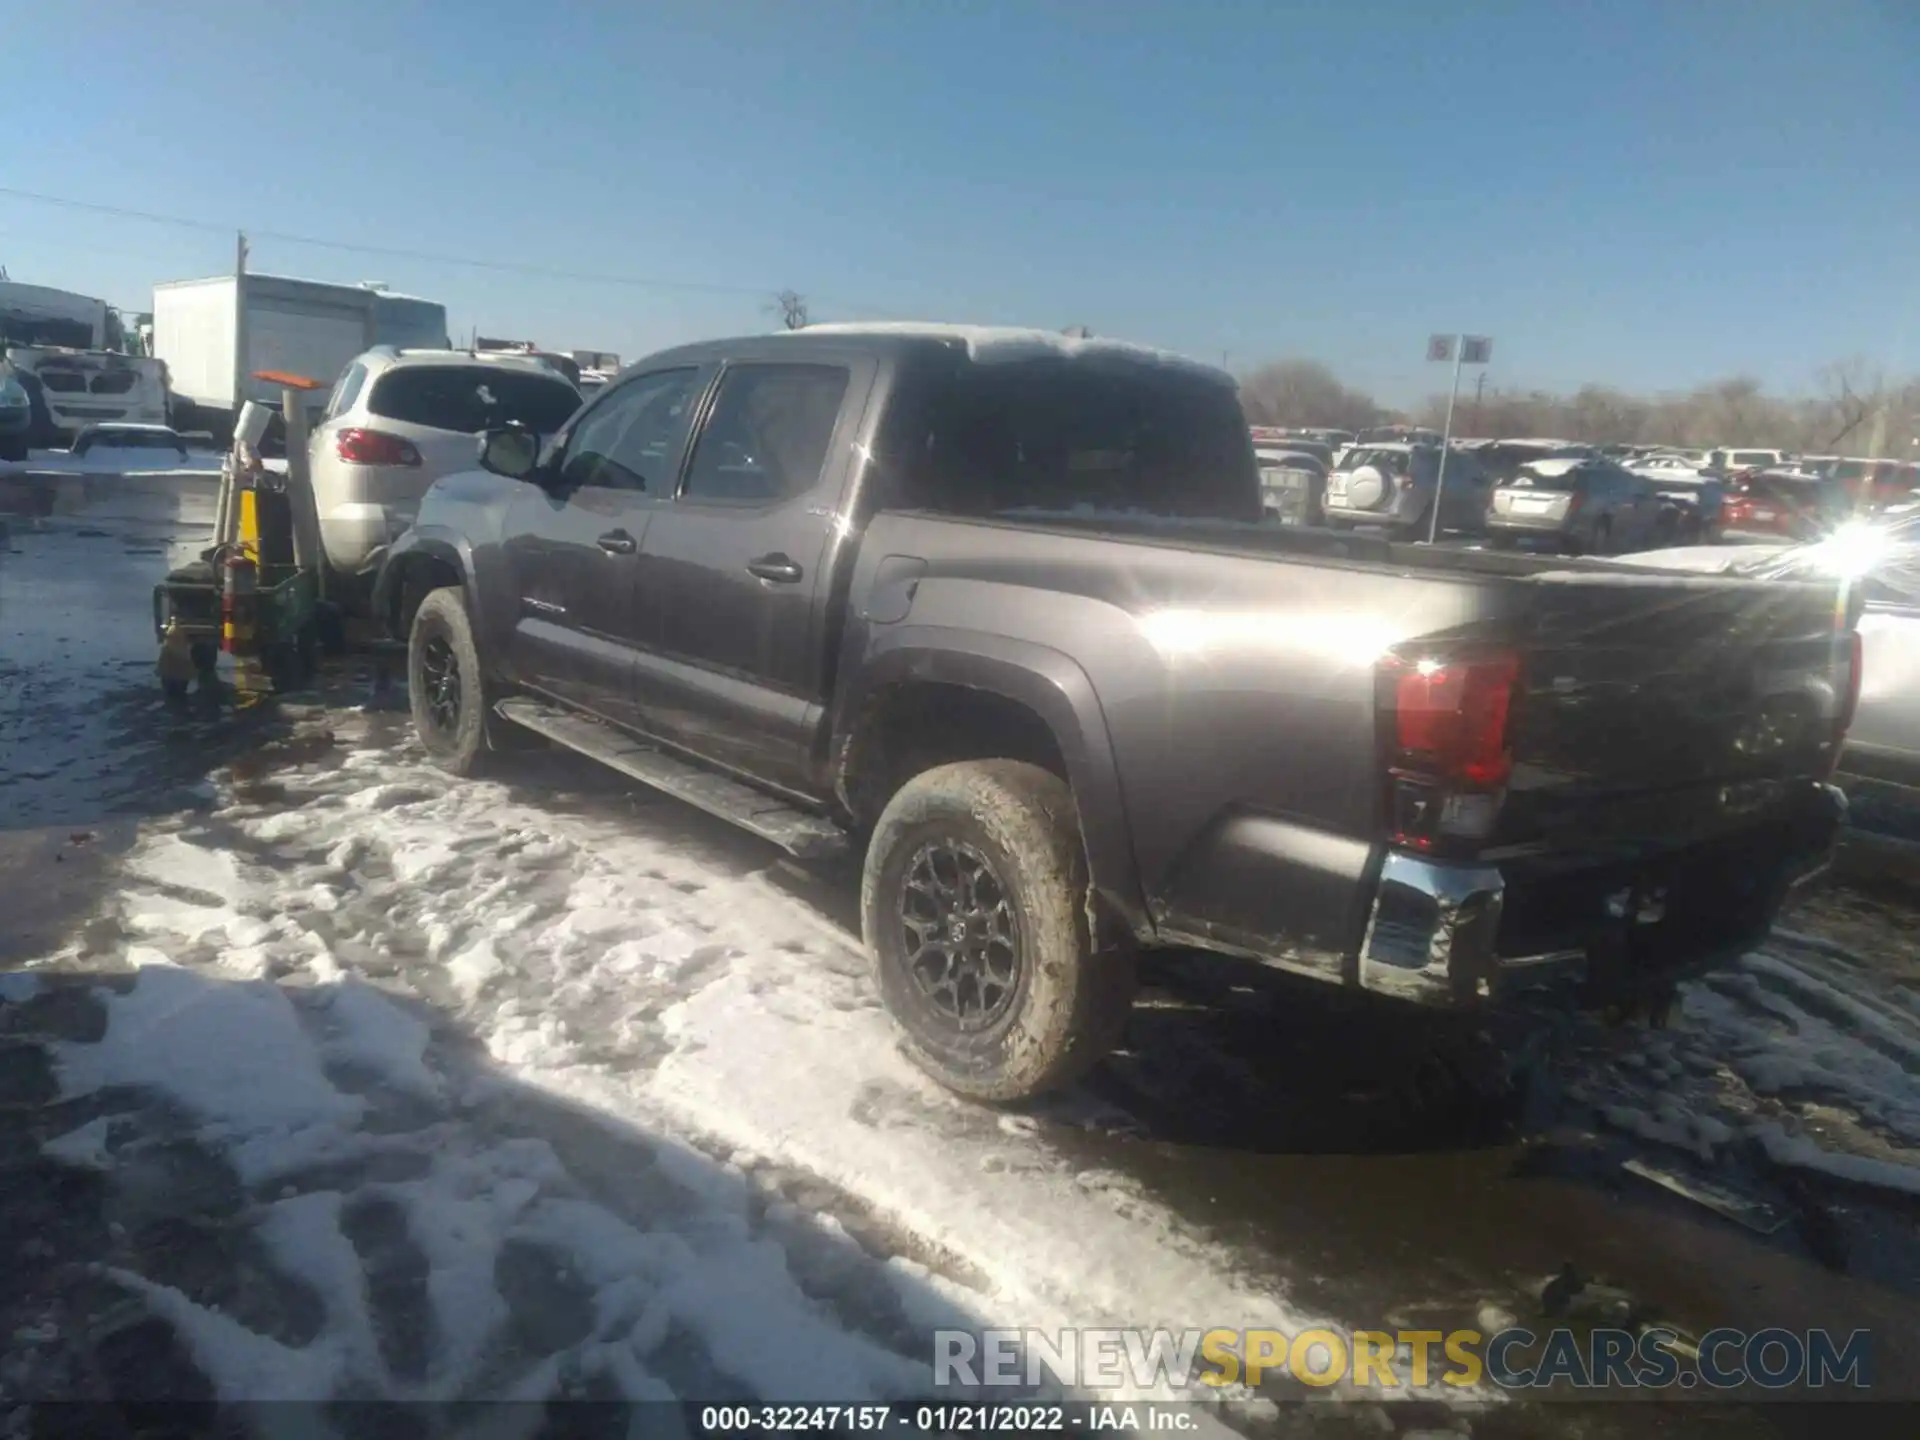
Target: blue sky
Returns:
[1636, 192]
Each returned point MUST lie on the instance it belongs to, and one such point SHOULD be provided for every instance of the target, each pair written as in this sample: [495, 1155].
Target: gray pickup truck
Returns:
[998, 610]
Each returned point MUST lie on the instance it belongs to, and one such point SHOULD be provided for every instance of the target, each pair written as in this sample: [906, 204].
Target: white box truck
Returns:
[215, 334]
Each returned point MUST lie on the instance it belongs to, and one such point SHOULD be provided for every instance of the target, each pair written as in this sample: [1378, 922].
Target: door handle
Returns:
[775, 567]
[616, 542]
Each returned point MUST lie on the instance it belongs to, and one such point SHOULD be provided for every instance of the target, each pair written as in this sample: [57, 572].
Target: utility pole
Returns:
[1461, 350]
[240, 368]
[1479, 390]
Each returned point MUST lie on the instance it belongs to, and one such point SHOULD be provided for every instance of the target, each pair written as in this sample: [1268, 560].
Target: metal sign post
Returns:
[1461, 350]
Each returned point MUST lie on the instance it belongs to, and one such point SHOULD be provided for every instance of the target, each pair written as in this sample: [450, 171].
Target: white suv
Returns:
[400, 419]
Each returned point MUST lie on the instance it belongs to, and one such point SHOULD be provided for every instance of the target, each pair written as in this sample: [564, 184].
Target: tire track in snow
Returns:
[646, 974]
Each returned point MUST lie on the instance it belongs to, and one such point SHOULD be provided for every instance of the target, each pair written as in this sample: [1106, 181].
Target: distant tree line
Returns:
[1854, 408]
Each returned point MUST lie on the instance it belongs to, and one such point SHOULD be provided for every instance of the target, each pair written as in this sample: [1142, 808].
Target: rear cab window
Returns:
[1056, 435]
[468, 399]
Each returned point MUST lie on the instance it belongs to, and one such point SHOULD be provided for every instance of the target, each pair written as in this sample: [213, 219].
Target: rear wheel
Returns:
[445, 687]
[974, 903]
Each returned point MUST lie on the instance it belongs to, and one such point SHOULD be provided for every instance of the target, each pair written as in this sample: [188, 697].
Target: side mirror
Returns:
[511, 450]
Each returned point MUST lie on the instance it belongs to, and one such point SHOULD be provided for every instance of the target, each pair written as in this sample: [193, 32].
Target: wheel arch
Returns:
[931, 698]
[418, 563]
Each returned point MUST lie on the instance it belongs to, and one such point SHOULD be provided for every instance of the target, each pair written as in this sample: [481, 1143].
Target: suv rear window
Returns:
[472, 398]
[1388, 462]
[1552, 478]
[1058, 434]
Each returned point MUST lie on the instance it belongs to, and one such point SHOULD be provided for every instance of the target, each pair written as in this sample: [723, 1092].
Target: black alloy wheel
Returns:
[960, 935]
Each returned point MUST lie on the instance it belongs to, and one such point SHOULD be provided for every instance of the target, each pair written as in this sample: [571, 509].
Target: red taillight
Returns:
[374, 447]
[1450, 718]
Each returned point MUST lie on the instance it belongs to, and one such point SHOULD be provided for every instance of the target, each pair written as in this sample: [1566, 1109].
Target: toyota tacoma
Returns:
[997, 612]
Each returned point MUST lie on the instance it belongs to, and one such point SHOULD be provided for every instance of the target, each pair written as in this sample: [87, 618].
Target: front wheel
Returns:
[444, 684]
[974, 902]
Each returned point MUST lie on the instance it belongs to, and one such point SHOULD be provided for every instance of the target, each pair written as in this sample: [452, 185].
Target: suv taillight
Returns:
[1448, 759]
[374, 447]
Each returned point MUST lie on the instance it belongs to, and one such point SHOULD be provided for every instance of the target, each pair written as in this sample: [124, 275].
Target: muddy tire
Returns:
[974, 903]
[445, 685]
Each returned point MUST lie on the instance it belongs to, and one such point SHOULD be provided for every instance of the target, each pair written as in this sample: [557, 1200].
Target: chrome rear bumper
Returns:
[1433, 930]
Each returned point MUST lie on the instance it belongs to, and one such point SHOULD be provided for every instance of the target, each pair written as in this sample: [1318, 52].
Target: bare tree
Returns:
[792, 309]
[1855, 406]
[1851, 393]
[1304, 392]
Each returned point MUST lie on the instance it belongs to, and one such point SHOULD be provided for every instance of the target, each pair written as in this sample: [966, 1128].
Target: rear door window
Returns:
[767, 435]
[468, 399]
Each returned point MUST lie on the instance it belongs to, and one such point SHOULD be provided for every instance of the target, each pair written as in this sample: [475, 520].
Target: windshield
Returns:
[1059, 435]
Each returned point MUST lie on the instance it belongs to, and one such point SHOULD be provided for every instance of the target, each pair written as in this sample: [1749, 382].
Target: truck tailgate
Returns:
[1656, 712]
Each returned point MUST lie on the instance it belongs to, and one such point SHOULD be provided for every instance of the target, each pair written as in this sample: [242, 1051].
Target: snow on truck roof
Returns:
[988, 344]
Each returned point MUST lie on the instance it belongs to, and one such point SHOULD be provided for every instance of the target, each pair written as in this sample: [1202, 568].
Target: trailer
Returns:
[216, 335]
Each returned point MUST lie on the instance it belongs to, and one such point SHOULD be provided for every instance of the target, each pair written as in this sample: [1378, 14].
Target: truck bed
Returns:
[1238, 671]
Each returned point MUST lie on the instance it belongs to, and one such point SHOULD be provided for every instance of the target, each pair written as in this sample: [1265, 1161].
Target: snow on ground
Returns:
[275, 1080]
[307, 948]
[618, 967]
[1804, 1049]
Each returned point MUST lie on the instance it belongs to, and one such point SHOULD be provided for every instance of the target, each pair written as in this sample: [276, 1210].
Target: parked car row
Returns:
[988, 610]
[1578, 497]
[1544, 491]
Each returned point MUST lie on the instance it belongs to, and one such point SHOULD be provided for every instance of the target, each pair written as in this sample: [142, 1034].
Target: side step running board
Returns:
[803, 835]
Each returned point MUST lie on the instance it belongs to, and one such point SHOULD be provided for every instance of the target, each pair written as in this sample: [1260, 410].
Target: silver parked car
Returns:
[1293, 485]
[400, 419]
[1392, 485]
[1582, 506]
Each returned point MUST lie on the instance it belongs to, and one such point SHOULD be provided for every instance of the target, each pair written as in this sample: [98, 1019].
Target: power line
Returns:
[501, 267]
